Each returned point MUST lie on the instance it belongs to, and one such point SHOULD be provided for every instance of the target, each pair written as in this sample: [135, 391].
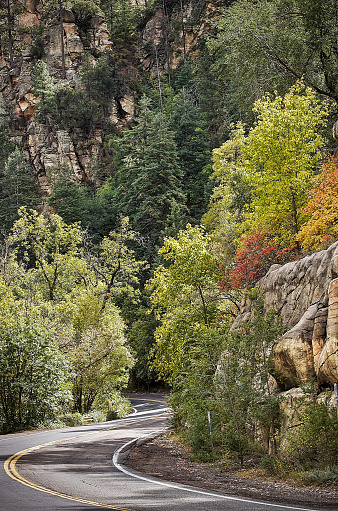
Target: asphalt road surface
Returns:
[81, 468]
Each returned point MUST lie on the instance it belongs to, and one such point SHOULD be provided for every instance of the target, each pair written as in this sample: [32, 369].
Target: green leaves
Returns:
[263, 178]
[66, 289]
[33, 373]
[281, 152]
[186, 299]
[17, 188]
[52, 248]
[268, 45]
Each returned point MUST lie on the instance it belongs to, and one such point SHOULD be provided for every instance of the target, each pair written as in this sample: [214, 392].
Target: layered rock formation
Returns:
[304, 294]
[49, 147]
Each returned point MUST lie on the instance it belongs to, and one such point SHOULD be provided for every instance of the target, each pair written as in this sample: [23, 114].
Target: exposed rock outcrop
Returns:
[304, 294]
[49, 146]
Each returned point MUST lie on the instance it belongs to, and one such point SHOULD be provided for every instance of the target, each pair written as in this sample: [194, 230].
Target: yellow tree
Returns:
[281, 153]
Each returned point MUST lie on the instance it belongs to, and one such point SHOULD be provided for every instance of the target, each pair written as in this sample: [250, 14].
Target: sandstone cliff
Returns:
[304, 294]
[48, 147]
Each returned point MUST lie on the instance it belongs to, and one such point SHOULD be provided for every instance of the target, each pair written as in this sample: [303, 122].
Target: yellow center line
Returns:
[11, 471]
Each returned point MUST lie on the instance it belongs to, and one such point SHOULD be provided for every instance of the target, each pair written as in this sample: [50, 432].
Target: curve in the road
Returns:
[10, 469]
[169, 499]
[168, 484]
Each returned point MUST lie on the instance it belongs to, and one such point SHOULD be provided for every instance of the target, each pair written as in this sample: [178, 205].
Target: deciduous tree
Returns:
[269, 45]
[186, 299]
[33, 373]
[281, 153]
[322, 208]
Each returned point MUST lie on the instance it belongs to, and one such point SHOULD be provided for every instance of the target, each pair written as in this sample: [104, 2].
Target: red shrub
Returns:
[253, 259]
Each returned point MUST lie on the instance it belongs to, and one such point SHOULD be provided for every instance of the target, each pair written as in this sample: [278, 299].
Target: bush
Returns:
[311, 447]
[33, 372]
[71, 419]
[112, 415]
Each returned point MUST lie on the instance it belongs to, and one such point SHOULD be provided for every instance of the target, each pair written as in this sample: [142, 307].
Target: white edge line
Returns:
[122, 468]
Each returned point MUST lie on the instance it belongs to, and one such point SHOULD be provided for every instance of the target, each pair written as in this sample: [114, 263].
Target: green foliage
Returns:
[37, 48]
[100, 358]
[51, 249]
[70, 200]
[84, 11]
[17, 188]
[44, 89]
[186, 299]
[51, 266]
[11, 32]
[263, 178]
[228, 375]
[249, 405]
[121, 17]
[193, 151]
[311, 446]
[211, 96]
[6, 146]
[115, 264]
[113, 404]
[96, 210]
[232, 193]
[150, 177]
[74, 109]
[33, 379]
[268, 45]
[100, 81]
[141, 326]
[281, 153]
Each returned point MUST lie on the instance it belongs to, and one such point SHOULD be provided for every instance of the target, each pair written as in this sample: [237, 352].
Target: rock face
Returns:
[74, 143]
[49, 147]
[304, 294]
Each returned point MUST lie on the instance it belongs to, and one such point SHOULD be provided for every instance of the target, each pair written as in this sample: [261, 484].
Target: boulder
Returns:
[304, 294]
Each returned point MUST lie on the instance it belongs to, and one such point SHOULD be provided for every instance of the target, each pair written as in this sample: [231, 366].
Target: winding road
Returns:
[81, 468]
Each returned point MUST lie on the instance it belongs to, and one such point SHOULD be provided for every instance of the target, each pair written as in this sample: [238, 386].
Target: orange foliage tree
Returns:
[322, 208]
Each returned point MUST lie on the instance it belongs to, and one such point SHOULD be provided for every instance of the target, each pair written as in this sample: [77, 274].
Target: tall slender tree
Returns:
[17, 188]
[150, 187]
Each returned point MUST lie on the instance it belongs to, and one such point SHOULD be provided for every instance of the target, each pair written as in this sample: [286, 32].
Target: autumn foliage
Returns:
[322, 208]
[256, 254]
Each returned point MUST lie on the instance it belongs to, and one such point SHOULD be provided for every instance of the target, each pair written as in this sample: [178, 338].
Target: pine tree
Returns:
[17, 188]
[193, 151]
[44, 89]
[150, 186]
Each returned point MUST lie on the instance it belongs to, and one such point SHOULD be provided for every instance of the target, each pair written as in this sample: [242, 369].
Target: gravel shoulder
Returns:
[166, 459]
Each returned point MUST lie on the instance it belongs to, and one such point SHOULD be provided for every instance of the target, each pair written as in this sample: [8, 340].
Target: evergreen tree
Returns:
[211, 96]
[6, 146]
[17, 188]
[121, 21]
[193, 151]
[74, 202]
[10, 30]
[44, 89]
[150, 186]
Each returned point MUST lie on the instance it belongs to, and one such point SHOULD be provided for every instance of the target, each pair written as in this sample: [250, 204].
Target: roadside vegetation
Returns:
[135, 275]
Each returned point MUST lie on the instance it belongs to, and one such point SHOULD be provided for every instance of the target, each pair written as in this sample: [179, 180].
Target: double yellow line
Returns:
[11, 471]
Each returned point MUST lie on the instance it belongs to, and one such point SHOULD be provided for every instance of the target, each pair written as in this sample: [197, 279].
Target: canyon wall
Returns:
[304, 294]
